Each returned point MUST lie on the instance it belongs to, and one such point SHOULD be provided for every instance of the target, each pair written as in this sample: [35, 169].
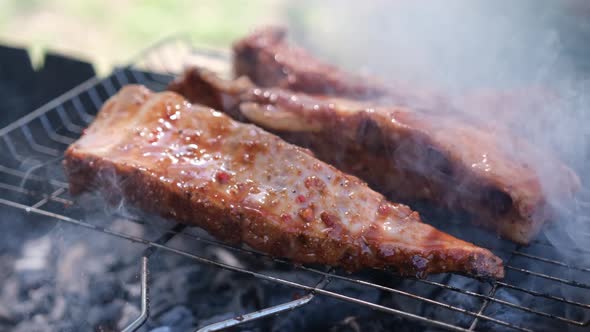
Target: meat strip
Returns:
[244, 185]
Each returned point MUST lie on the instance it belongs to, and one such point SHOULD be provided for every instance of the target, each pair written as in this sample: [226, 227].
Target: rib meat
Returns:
[242, 184]
[269, 60]
[501, 180]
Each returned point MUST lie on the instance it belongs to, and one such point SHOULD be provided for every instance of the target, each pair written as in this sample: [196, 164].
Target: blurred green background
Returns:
[109, 32]
[454, 44]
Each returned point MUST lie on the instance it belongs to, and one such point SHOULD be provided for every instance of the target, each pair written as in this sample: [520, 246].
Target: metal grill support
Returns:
[145, 311]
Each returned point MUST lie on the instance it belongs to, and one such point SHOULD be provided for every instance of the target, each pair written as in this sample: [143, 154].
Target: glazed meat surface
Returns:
[242, 184]
[407, 155]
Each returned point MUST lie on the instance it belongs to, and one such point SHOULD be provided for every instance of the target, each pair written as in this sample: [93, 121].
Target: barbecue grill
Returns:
[541, 287]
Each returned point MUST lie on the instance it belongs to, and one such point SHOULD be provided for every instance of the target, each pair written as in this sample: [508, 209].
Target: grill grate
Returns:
[32, 149]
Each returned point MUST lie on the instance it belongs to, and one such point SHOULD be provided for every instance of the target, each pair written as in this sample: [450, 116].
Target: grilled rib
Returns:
[242, 184]
[269, 60]
[500, 179]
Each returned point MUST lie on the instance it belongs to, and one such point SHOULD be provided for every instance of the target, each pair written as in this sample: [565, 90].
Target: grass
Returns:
[108, 32]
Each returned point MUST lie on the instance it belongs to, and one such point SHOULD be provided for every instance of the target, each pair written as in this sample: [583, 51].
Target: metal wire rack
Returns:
[32, 146]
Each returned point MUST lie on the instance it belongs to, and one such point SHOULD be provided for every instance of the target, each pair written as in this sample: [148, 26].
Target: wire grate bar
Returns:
[266, 312]
[545, 276]
[12, 149]
[52, 133]
[52, 197]
[120, 78]
[412, 296]
[36, 146]
[503, 284]
[94, 98]
[68, 124]
[551, 261]
[540, 294]
[486, 298]
[87, 118]
[145, 308]
[138, 76]
[483, 307]
[108, 85]
[25, 176]
[50, 105]
[489, 298]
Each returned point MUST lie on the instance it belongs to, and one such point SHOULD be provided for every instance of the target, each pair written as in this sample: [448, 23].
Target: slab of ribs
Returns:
[245, 185]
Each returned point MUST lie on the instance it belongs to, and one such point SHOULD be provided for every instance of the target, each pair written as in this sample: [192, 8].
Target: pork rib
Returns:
[269, 60]
[406, 155]
[242, 184]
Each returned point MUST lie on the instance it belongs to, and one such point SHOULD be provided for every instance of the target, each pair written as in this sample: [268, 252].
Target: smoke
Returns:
[522, 65]
[453, 44]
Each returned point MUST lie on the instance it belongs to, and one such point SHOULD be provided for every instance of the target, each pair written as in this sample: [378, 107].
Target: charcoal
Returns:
[104, 288]
[162, 329]
[179, 316]
[105, 315]
[33, 279]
